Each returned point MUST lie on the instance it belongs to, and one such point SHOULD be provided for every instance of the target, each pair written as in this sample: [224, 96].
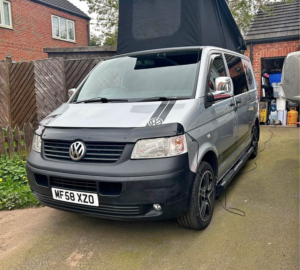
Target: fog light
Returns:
[157, 207]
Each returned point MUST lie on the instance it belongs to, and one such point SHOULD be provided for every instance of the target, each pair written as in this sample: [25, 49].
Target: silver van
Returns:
[148, 136]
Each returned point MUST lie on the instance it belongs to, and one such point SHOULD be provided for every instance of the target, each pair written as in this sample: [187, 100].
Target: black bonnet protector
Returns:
[125, 135]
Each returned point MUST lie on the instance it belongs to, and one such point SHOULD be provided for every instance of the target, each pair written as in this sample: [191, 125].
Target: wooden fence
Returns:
[50, 87]
[29, 91]
[16, 141]
[22, 93]
[77, 70]
[4, 94]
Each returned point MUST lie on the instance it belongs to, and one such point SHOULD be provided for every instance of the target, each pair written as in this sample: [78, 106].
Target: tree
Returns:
[107, 12]
[107, 16]
[96, 40]
[111, 39]
[244, 10]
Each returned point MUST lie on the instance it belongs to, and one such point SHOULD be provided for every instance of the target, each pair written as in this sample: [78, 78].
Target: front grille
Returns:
[102, 210]
[95, 152]
[81, 185]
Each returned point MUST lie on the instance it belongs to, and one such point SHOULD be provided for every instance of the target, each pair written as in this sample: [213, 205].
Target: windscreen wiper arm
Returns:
[103, 100]
[162, 99]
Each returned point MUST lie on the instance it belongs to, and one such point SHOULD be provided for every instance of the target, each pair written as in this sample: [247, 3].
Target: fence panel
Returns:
[77, 70]
[16, 141]
[4, 95]
[22, 93]
[29, 91]
[50, 86]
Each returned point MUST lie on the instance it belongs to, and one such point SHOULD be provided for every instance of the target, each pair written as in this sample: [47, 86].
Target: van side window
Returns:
[237, 74]
[217, 70]
[249, 74]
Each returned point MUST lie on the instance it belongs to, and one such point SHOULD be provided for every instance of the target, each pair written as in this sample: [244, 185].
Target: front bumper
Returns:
[143, 183]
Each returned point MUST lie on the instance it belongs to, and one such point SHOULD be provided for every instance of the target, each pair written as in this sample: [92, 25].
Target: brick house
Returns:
[27, 26]
[272, 36]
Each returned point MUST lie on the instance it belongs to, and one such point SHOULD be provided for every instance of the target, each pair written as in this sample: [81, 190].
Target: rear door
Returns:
[242, 100]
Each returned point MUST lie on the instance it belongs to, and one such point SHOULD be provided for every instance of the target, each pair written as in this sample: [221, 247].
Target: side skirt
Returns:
[225, 181]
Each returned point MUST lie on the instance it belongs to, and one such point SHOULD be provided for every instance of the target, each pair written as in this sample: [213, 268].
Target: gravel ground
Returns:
[266, 238]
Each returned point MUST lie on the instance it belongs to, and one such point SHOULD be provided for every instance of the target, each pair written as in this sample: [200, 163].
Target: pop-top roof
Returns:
[157, 24]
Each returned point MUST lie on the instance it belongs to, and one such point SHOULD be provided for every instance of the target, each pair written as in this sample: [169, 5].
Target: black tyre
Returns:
[202, 200]
[255, 142]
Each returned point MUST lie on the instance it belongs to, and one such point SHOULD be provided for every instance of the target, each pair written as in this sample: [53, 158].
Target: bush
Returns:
[14, 189]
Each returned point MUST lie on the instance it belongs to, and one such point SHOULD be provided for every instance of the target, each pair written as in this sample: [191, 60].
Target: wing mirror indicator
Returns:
[217, 96]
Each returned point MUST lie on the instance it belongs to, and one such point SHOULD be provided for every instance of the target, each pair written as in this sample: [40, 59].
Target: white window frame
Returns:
[2, 14]
[59, 38]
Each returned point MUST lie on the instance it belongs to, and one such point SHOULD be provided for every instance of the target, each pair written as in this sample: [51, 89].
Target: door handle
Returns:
[232, 104]
[238, 101]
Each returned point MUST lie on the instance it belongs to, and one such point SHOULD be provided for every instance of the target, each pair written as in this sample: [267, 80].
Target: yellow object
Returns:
[263, 109]
[263, 115]
[292, 117]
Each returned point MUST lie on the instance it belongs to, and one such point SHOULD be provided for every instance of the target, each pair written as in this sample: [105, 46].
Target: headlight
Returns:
[160, 147]
[37, 139]
[37, 143]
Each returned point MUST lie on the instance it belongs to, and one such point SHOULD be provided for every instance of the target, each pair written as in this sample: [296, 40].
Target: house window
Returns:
[63, 29]
[5, 14]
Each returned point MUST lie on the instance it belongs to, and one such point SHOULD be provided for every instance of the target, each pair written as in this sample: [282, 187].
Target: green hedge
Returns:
[14, 189]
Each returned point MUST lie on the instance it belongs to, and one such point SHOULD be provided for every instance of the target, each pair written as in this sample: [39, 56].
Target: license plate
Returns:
[75, 197]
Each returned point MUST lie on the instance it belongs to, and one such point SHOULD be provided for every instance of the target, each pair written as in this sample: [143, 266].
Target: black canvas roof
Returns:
[63, 5]
[282, 22]
[156, 24]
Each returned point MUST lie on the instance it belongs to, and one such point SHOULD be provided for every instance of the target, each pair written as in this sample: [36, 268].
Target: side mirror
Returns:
[71, 92]
[223, 90]
[224, 84]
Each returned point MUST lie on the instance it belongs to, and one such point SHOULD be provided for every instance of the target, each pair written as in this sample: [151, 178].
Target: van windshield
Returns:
[170, 75]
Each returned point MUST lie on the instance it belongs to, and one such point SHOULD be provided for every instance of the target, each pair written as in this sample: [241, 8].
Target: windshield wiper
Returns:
[100, 99]
[162, 99]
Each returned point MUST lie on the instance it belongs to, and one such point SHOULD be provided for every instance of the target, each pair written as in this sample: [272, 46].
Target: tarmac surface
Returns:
[266, 238]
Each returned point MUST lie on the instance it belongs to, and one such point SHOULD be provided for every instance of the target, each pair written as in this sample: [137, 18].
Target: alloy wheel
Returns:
[206, 191]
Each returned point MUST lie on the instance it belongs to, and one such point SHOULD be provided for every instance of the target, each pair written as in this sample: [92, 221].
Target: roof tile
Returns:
[283, 20]
[63, 5]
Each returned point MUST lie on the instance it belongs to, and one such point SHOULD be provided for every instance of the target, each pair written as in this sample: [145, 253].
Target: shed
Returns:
[81, 52]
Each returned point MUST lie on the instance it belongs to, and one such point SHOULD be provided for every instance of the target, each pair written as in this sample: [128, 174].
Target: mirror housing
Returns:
[210, 98]
[71, 92]
[224, 84]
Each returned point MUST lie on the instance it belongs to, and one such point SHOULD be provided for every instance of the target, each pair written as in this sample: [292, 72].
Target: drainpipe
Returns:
[89, 33]
[251, 52]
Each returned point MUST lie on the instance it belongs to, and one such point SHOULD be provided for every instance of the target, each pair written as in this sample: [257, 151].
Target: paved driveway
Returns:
[267, 238]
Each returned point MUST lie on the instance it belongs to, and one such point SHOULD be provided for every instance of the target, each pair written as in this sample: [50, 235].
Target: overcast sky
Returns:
[84, 7]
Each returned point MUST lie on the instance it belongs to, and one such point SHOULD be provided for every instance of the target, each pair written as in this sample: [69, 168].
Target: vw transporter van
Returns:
[149, 135]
